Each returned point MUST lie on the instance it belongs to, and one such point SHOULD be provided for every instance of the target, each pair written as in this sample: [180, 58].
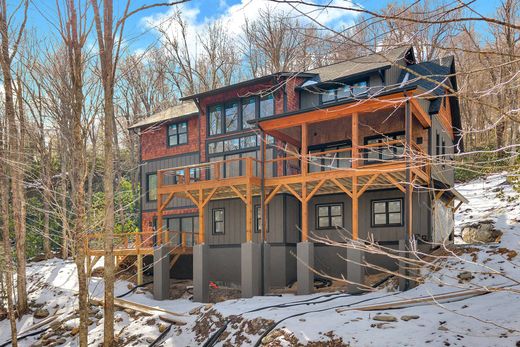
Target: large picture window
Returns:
[177, 134]
[218, 221]
[329, 216]
[151, 187]
[387, 213]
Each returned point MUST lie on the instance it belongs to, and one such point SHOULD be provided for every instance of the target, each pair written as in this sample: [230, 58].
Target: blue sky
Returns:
[43, 15]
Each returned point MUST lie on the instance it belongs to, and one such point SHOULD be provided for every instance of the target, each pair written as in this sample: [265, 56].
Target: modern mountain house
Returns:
[242, 185]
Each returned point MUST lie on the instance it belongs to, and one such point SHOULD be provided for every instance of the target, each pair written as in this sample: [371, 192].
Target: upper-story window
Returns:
[266, 106]
[345, 91]
[248, 111]
[177, 134]
[231, 115]
[215, 120]
[380, 153]
[151, 187]
[234, 115]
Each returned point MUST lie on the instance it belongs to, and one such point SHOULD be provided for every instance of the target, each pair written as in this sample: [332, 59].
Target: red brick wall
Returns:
[153, 141]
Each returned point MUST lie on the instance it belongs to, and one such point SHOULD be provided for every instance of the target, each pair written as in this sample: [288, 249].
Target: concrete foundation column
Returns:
[161, 272]
[404, 283]
[201, 273]
[267, 267]
[355, 271]
[251, 269]
[305, 262]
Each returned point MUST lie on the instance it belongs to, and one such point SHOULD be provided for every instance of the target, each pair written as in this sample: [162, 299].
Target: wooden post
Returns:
[409, 187]
[355, 140]
[304, 168]
[139, 269]
[201, 217]
[159, 220]
[249, 199]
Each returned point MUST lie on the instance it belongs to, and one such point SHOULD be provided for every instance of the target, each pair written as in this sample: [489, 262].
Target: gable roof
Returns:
[359, 65]
[187, 108]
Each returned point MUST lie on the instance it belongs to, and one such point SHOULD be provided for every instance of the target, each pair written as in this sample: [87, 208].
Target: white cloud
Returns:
[233, 17]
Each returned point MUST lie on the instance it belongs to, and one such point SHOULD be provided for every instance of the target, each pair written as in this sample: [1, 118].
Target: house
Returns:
[246, 179]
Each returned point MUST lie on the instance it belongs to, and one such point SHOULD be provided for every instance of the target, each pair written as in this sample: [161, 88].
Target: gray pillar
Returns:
[355, 271]
[404, 284]
[267, 267]
[201, 273]
[305, 262]
[161, 272]
[251, 269]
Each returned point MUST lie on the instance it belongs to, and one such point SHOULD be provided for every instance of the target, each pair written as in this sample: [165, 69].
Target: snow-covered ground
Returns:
[488, 320]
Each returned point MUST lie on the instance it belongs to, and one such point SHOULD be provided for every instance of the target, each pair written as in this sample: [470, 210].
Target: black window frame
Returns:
[260, 103]
[387, 224]
[257, 213]
[329, 215]
[241, 127]
[338, 145]
[386, 137]
[177, 135]
[343, 85]
[214, 221]
[148, 175]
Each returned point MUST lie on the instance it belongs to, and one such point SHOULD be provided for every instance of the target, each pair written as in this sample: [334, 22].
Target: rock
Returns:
[61, 341]
[465, 276]
[385, 318]
[74, 331]
[99, 315]
[162, 328]
[406, 318]
[443, 328]
[55, 325]
[481, 232]
[41, 313]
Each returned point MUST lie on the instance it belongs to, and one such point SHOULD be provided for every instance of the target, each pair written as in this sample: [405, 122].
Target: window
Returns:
[218, 221]
[248, 111]
[330, 161]
[383, 152]
[438, 144]
[151, 187]
[266, 106]
[387, 213]
[215, 120]
[329, 216]
[359, 88]
[344, 91]
[178, 134]
[231, 115]
[258, 218]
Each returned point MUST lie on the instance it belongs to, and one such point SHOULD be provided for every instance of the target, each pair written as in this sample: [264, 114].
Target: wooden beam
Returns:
[315, 190]
[334, 112]
[159, 219]
[170, 197]
[205, 202]
[249, 213]
[139, 269]
[239, 194]
[355, 140]
[367, 185]
[457, 207]
[305, 213]
[272, 194]
[293, 192]
[201, 219]
[439, 194]
[394, 182]
[342, 187]
[285, 138]
[192, 198]
[420, 114]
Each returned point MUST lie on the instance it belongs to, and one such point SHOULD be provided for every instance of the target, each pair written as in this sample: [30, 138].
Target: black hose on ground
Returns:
[8, 343]
[133, 289]
[160, 337]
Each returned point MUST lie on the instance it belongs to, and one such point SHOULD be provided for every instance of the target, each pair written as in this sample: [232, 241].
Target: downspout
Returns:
[262, 206]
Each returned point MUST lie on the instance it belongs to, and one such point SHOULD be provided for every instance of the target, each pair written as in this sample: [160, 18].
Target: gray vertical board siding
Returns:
[235, 221]
[309, 99]
[152, 166]
[444, 174]
[341, 234]
[392, 74]
[292, 212]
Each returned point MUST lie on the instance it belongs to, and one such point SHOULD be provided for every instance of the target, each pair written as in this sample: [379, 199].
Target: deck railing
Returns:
[387, 152]
[134, 240]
